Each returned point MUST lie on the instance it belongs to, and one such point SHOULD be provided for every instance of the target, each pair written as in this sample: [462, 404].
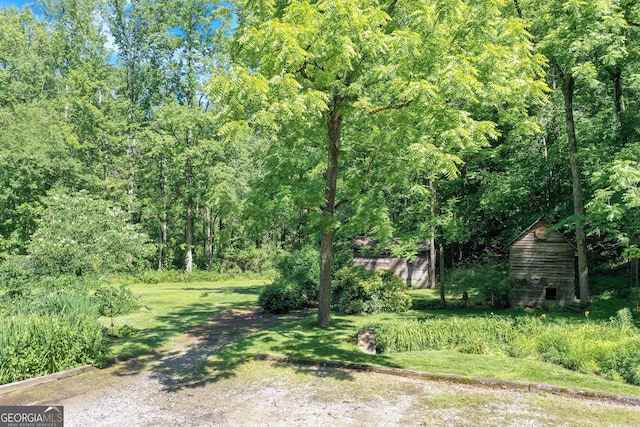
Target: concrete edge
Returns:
[6, 388]
[487, 382]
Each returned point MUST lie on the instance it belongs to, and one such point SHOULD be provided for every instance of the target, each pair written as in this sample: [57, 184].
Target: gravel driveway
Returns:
[176, 387]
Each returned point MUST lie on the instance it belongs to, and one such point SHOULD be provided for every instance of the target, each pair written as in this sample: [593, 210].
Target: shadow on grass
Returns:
[189, 365]
[212, 346]
[144, 347]
[230, 289]
[306, 345]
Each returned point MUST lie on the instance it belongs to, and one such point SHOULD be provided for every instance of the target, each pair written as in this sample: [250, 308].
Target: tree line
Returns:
[219, 129]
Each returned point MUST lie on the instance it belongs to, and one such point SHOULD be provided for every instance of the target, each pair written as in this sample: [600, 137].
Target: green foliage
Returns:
[485, 335]
[281, 296]
[16, 275]
[181, 276]
[614, 207]
[120, 331]
[82, 234]
[248, 260]
[358, 290]
[56, 330]
[112, 300]
[610, 349]
[488, 281]
[297, 283]
[302, 268]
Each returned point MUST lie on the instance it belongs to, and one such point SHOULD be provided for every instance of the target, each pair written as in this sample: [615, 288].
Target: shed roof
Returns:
[362, 242]
[536, 223]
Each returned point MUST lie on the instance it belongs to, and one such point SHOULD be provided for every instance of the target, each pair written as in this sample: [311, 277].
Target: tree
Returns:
[82, 234]
[139, 32]
[571, 34]
[355, 73]
[37, 149]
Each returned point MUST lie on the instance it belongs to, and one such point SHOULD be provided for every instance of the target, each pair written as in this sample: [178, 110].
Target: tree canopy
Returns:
[220, 128]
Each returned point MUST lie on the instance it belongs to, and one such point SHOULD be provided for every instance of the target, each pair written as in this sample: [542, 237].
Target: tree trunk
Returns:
[162, 236]
[442, 299]
[334, 124]
[620, 105]
[189, 260]
[568, 85]
[432, 240]
[210, 228]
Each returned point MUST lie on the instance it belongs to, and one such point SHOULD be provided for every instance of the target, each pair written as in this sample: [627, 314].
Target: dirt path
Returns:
[177, 387]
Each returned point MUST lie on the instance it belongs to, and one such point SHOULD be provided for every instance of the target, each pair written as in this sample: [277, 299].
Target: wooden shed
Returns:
[541, 267]
[413, 273]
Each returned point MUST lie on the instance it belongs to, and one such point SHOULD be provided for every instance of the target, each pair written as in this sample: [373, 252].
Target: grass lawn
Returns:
[174, 307]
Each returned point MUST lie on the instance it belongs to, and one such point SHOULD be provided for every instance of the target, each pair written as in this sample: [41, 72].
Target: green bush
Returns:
[249, 260]
[280, 297]
[487, 281]
[112, 300]
[358, 290]
[302, 268]
[81, 234]
[16, 275]
[181, 276]
[488, 335]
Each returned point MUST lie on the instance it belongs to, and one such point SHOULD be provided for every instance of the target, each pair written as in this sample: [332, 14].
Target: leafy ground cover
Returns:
[173, 308]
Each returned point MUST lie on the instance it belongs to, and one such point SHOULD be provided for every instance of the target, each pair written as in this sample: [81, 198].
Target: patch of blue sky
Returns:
[17, 3]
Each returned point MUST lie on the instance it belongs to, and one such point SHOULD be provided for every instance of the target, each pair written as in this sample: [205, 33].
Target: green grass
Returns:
[172, 308]
[338, 342]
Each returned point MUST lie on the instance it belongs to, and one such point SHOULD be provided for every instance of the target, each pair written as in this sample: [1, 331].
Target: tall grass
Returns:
[610, 349]
[54, 332]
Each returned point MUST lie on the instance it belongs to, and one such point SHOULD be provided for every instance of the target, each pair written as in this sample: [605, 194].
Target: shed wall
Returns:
[537, 265]
[417, 271]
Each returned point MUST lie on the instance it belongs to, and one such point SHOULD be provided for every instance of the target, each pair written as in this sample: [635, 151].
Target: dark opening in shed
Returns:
[541, 267]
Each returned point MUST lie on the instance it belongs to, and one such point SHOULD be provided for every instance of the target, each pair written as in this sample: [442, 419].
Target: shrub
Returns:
[280, 297]
[16, 275]
[302, 268]
[358, 290]
[466, 335]
[490, 282]
[181, 276]
[249, 260]
[112, 300]
[81, 234]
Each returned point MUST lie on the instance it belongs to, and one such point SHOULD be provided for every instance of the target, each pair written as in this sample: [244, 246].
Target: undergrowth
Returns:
[57, 331]
[610, 349]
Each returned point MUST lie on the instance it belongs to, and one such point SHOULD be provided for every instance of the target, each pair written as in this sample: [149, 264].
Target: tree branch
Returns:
[372, 111]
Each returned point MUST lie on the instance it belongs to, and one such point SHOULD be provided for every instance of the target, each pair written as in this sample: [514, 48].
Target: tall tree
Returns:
[140, 31]
[38, 150]
[357, 73]
[571, 34]
[194, 26]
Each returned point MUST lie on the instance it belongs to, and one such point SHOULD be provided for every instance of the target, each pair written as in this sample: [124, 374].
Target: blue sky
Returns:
[17, 3]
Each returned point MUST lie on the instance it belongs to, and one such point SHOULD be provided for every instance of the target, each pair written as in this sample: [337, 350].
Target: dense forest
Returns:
[184, 135]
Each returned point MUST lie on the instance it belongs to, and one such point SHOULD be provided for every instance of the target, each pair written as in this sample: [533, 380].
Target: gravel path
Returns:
[178, 387]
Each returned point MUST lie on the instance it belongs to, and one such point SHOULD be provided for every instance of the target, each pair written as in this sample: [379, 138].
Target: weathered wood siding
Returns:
[417, 271]
[536, 265]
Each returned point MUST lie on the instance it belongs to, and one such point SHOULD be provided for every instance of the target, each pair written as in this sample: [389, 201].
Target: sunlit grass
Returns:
[304, 339]
[172, 308]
